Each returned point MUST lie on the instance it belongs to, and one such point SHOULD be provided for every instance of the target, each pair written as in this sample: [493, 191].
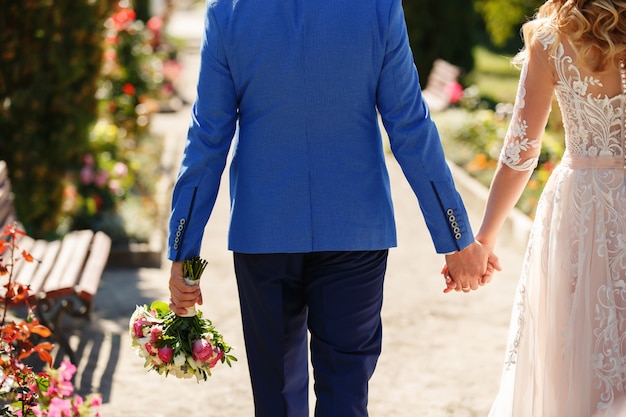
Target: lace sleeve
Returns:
[522, 143]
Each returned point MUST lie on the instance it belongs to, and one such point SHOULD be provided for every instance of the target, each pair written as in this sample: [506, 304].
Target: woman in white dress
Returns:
[566, 354]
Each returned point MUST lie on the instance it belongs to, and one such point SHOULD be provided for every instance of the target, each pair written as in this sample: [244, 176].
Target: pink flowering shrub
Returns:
[23, 391]
[59, 400]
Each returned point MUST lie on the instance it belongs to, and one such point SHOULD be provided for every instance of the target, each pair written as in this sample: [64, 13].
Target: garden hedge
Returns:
[49, 65]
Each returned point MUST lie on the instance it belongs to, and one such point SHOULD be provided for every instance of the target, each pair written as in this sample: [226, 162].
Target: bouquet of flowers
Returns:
[185, 346]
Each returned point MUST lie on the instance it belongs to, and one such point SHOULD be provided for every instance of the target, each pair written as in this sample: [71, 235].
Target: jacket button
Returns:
[450, 212]
[457, 236]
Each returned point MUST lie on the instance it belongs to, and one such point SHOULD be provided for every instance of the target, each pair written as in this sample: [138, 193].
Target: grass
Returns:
[494, 75]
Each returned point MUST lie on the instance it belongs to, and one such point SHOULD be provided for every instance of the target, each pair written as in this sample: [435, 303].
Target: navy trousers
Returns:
[337, 297]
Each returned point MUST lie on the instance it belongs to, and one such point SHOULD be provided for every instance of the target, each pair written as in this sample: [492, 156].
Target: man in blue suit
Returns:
[302, 82]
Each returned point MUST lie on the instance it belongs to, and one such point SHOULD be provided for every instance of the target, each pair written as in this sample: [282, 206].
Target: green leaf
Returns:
[161, 308]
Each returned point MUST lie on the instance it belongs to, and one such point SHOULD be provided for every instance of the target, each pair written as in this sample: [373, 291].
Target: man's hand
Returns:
[470, 268]
[181, 294]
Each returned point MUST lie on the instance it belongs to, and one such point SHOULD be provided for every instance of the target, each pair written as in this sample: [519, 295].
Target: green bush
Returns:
[441, 29]
[49, 66]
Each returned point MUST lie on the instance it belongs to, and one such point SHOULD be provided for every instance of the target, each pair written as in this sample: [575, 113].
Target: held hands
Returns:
[470, 268]
[181, 294]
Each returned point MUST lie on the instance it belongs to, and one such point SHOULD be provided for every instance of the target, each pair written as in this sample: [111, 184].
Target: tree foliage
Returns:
[441, 29]
[49, 65]
[502, 18]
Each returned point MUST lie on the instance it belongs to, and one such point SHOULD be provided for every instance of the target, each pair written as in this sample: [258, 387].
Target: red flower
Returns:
[99, 203]
[122, 17]
[129, 89]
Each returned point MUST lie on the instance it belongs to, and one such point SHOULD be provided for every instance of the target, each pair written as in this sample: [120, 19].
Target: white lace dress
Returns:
[566, 354]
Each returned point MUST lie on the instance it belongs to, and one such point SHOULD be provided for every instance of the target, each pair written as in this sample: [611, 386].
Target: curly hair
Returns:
[596, 28]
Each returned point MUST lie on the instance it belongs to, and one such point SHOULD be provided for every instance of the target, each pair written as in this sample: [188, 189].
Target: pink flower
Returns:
[151, 349]
[165, 354]
[60, 388]
[87, 175]
[116, 187]
[218, 357]
[96, 401]
[172, 69]
[60, 408]
[67, 370]
[88, 159]
[155, 24]
[138, 326]
[120, 169]
[101, 178]
[155, 333]
[202, 350]
[455, 92]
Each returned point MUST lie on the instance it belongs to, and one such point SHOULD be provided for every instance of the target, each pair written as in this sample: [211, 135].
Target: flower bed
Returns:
[473, 140]
[25, 391]
[114, 189]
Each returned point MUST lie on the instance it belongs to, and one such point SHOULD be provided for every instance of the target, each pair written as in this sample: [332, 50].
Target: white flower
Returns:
[179, 360]
[7, 384]
[192, 363]
[580, 87]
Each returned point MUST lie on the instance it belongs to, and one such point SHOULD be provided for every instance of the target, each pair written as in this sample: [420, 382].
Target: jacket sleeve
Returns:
[415, 141]
[212, 127]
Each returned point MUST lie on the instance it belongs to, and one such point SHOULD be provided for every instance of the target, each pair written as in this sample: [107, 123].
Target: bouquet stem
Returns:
[192, 271]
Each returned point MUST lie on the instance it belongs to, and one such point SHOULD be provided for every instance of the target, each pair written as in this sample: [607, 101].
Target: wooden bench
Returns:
[440, 80]
[65, 275]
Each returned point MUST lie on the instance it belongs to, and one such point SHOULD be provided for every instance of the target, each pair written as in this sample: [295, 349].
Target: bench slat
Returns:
[43, 268]
[68, 264]
[26, 243]
[94, 267]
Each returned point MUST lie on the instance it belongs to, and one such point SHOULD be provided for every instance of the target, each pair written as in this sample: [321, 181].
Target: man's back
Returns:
[304, 80]
[305, 74]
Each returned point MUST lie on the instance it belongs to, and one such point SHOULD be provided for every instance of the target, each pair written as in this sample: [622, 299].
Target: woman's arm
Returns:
[522, 144]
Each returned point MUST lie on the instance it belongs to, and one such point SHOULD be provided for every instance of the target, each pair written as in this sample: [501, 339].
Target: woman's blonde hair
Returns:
[595, 28]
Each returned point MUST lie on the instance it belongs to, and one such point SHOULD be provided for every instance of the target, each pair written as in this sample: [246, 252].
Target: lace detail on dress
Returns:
[517, 143]
[593, 123]
[610, 309]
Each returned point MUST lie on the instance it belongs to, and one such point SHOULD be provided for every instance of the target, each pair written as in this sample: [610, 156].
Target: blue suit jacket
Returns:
[303, 81]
